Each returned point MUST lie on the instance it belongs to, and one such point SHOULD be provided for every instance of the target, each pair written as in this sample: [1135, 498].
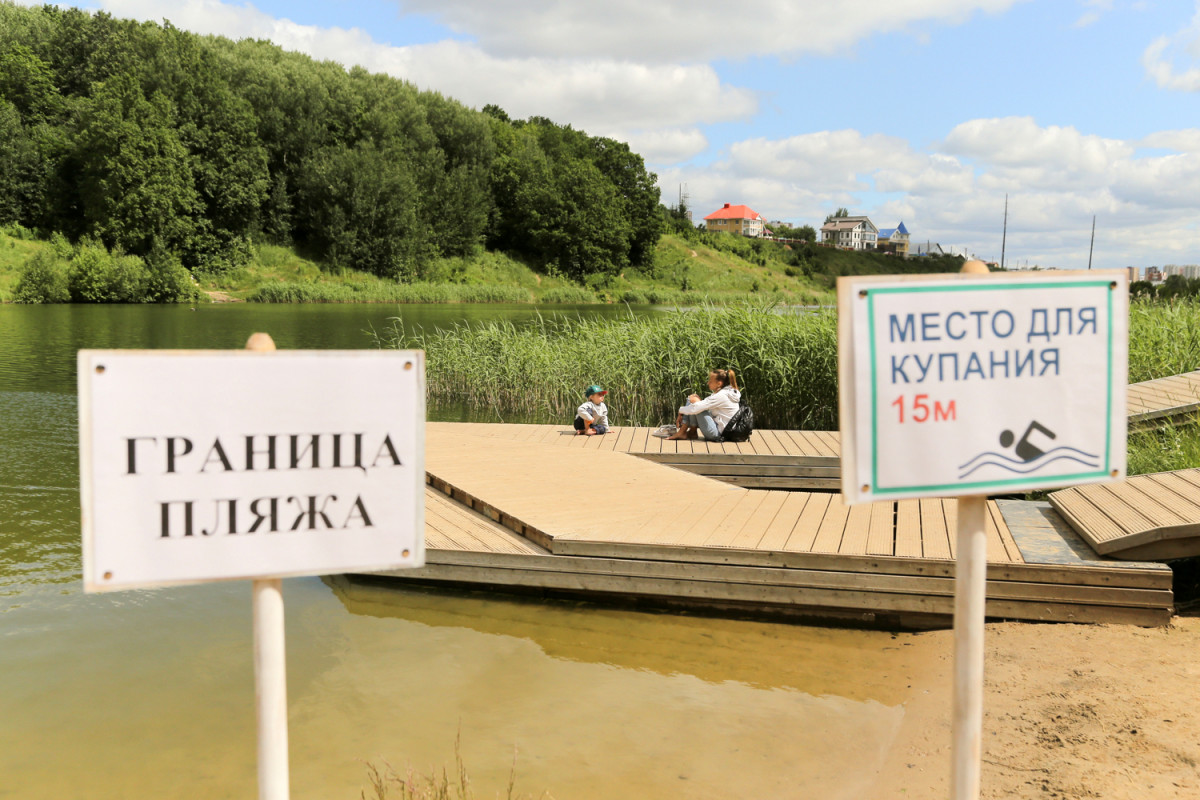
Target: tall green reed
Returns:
[1164, 338]
[285, 292]
[786, 361]
[786, 364]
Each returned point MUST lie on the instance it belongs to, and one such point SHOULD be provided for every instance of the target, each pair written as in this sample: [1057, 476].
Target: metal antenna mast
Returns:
[1093, 244]
[1004, 236]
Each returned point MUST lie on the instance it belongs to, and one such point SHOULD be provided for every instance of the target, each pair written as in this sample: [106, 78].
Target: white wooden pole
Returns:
[970, 596]
[270, 690]
[970, 593]
[270, 669]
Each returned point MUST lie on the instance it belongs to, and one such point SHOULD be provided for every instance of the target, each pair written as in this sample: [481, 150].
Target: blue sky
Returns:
[926, 111]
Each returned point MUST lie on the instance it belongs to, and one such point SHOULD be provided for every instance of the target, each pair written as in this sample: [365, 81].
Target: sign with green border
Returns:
[981, 384]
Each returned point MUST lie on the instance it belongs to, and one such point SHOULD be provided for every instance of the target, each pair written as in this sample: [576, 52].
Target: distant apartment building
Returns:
[1186, 270]
[735, 219]
[1133, 273]
[1154, 275]
[893, 240]
[853, 233]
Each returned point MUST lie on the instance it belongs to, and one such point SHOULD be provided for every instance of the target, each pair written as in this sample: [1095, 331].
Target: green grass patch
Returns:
[721, 268]
[1172, 447]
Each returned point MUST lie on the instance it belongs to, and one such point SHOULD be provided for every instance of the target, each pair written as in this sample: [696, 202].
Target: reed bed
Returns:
[678, 297]
[286, 292]
[1164, 338]
[568, 295]
[786, 364]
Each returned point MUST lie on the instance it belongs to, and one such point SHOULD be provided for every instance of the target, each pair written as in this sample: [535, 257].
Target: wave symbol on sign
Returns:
[1021, 466]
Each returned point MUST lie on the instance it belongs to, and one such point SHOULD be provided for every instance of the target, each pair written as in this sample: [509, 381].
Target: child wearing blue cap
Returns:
[591, 418]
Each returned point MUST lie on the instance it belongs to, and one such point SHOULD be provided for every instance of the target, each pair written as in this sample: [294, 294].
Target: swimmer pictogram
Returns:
[1030, 457]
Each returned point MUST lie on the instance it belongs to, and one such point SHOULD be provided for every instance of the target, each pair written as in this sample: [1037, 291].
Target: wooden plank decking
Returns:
[1145, 517]
[777, 459]
[517, 509]
[769, 460]
[1162, 400]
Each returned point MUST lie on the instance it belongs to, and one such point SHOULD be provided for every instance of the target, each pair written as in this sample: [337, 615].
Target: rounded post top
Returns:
[974, 267]
[262, 342]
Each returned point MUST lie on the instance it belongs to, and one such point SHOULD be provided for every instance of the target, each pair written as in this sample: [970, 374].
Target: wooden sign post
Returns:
[198, 466]
[961, 385]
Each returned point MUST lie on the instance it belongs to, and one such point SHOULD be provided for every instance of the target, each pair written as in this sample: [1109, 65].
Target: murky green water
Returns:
[150, 693]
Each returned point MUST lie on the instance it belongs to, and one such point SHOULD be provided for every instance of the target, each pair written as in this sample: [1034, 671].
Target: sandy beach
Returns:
[1071, 711]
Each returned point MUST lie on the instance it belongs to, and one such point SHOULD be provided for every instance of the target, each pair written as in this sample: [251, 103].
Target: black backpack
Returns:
[740, 425]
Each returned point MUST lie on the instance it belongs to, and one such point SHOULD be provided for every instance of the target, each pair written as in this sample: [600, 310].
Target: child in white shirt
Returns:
[591, 418]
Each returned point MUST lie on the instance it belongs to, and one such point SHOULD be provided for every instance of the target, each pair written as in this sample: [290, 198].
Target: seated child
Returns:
[591, 418]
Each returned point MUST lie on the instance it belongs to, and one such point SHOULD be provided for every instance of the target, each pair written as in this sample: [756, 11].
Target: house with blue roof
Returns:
[894, 240]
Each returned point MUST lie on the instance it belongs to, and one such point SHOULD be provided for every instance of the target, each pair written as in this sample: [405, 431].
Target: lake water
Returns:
[150, 693]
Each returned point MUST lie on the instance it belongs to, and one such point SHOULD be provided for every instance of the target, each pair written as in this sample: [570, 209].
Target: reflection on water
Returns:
[38, 343]
[39, 493]
[150, 693]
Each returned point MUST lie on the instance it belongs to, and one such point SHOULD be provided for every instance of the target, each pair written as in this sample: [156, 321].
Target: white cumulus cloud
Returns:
[688, 30]
[1056, 178]
[1173, 62]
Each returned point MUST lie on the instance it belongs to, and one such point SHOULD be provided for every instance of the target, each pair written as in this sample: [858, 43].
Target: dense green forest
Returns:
[172, 151]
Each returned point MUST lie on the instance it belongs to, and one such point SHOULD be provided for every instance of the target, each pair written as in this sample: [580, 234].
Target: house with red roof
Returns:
[735, 219]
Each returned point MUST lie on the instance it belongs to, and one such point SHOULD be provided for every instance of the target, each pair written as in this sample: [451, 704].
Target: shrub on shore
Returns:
[44, 280]
[94, 275]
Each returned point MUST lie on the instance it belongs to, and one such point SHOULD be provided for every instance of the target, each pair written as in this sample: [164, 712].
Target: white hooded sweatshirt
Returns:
[721, 404]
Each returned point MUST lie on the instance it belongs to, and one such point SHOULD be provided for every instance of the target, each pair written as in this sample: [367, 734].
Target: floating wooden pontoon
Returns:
[532, 510]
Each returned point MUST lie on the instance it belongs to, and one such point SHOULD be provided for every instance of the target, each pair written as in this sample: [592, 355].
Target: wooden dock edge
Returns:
[1070, 586]
[889, 609]
[1164, 543]
[1116, 575]
[1145, 420]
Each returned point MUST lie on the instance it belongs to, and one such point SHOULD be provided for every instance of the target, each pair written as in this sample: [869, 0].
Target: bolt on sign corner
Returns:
[966, 385]
[205, 465]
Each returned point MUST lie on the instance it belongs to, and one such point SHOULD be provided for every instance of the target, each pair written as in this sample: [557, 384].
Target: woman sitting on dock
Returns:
[710, 415]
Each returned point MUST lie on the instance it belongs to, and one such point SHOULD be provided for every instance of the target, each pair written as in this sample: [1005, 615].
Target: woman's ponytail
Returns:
[726, 377]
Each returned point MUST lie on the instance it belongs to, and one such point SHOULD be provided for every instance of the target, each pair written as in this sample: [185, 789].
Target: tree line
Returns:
[184, 149]
[1175, 286]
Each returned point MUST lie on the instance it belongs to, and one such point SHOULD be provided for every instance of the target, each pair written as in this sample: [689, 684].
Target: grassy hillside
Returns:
[683, 272]
[717, 267]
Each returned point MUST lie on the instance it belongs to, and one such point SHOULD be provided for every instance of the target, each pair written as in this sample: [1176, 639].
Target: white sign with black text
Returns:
[965, 385]
[213, 465]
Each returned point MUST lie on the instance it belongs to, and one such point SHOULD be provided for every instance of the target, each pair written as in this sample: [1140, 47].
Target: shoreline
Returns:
[1070, 711]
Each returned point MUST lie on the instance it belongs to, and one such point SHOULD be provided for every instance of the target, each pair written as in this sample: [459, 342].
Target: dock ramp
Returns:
[1144, 518]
